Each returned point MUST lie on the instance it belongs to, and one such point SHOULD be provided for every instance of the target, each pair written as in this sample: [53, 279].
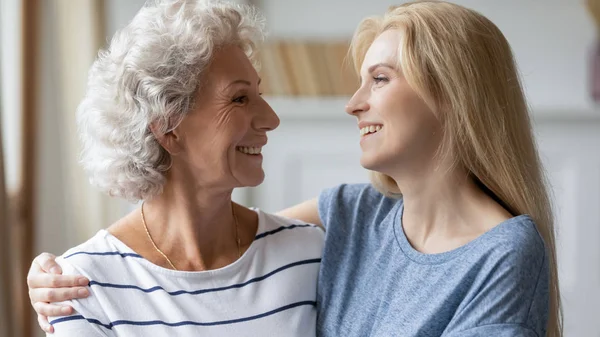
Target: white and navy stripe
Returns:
[269, 291]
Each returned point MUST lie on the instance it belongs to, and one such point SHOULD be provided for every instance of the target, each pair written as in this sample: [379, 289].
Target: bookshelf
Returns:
[306, 69]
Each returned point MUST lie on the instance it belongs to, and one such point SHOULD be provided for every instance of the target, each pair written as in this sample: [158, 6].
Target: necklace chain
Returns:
[237, 237]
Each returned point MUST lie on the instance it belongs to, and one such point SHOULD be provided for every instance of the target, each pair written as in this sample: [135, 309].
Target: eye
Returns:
[240, 99]
[380, 78]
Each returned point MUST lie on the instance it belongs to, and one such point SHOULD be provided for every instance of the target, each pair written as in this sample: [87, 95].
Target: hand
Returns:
[46, 284]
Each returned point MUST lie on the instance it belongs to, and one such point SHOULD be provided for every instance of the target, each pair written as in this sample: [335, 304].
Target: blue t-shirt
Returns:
[372, 282]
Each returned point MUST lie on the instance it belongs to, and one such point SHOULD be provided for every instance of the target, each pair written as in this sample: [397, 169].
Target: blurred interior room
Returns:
[47, 205]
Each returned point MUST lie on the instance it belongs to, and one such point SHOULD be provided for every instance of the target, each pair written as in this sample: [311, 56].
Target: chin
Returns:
[369, 162]
[380, 162]
[256, 182]
[251, 178]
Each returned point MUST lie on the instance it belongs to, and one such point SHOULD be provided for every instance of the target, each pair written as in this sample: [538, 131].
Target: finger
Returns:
[55, 281]
[48, 263]
[49, 295]
[44, 324]
[45, 310]
[34, 270]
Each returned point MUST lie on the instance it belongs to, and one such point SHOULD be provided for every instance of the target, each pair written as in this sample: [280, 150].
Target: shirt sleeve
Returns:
[514, 299]
[496, 330]
[325, 204]
[89, 317]
[340, 201]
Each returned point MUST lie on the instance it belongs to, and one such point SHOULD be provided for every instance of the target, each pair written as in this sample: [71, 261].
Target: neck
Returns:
[193, 226]
[444, 206]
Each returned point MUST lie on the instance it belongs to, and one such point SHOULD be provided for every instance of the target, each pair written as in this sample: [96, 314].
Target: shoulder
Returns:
[351, 193]
[353, 203]
[96, 244]
[517, 242]
[510, 273]
[98, 256]
[93, 258]
[513, 252]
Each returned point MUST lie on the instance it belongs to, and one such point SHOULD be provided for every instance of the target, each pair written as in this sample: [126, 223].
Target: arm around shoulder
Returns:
[89, 318]
[307, 211]
[332, 202]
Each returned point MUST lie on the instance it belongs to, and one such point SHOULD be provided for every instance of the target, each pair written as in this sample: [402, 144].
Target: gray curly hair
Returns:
[151, 72]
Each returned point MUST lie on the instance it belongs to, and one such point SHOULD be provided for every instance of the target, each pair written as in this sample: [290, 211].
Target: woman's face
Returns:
[221, 140]
[397, 129]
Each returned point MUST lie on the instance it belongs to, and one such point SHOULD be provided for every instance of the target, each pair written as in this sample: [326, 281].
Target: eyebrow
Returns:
[375, 66]
[242, 82]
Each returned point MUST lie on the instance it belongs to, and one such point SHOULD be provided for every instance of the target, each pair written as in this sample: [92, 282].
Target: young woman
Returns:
[455, 234]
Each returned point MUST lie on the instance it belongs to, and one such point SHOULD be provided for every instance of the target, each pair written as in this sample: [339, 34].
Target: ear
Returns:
[170, 141]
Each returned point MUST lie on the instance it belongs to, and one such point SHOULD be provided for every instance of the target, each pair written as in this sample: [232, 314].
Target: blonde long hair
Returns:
[460, 63]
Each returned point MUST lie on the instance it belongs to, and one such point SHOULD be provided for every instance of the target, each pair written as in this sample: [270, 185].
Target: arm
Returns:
[330, 201]
[47, 285]
[307, 211]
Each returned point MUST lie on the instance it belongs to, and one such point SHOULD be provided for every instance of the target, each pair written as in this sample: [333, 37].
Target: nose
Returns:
[358, 103]
[266, 119]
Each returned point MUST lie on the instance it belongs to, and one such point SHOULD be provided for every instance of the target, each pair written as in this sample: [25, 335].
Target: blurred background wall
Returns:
[554, 42]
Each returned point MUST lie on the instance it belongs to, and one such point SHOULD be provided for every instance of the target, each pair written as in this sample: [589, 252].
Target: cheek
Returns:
[222, 135]
[410, 121]
[207, 148]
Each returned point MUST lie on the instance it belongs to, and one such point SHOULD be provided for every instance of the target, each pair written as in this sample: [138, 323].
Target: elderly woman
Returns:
[173, 116]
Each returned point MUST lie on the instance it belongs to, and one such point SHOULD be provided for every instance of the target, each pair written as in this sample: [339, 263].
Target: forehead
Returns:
[384, 49]
[229, 62]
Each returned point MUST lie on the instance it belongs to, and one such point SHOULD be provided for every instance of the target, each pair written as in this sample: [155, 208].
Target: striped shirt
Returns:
[269, 291]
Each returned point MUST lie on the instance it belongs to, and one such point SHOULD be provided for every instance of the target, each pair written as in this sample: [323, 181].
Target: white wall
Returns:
[119, 13]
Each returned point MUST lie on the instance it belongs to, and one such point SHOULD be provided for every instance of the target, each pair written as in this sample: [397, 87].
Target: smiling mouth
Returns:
[368, 130]
[249, 150]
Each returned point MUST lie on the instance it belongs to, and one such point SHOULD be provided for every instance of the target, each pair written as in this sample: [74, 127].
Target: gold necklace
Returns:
[237, 237]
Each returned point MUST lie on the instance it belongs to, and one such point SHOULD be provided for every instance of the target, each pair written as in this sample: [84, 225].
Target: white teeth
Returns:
[370, 129]
[249, 149]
